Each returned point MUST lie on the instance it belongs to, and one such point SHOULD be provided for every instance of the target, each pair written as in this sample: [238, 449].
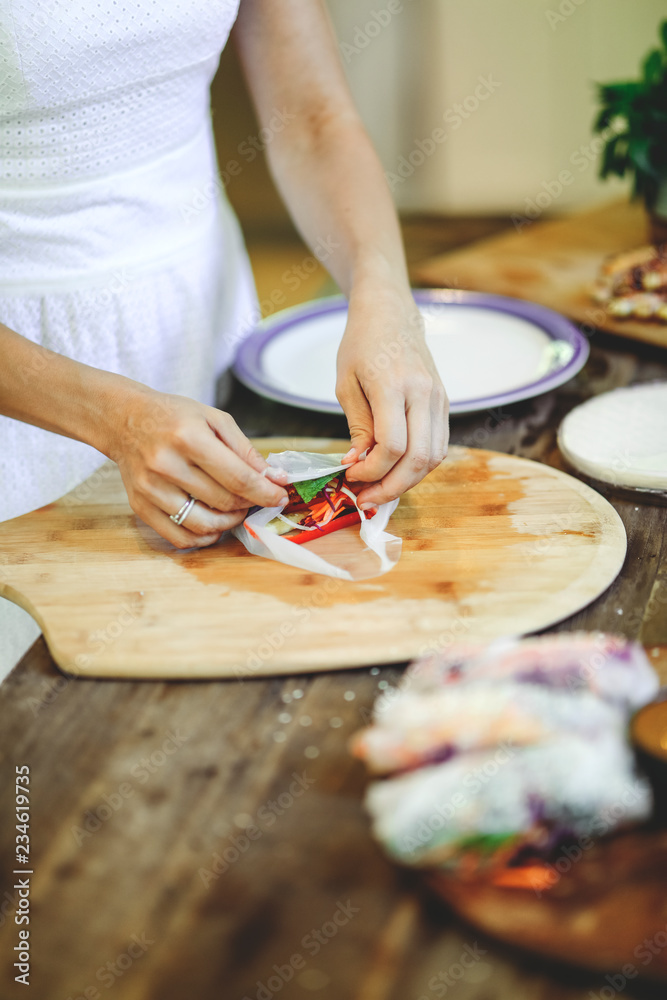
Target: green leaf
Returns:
[309, 488]
[663, 34]
[653, 67]
[486, 843]
[609, 159]
[638, 153]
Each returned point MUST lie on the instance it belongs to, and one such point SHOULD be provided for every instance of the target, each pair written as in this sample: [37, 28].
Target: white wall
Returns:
[541, 57]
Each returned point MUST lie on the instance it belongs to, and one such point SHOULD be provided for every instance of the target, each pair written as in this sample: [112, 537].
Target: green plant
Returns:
[633, 120]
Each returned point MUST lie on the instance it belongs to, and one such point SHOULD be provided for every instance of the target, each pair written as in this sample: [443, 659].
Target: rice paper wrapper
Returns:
[491, 753]
[567, 785]
[349, 554]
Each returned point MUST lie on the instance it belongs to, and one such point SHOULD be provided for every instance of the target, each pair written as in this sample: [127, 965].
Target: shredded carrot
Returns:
[537, 877]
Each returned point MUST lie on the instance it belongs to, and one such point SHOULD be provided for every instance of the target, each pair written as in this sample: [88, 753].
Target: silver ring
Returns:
[181, 514]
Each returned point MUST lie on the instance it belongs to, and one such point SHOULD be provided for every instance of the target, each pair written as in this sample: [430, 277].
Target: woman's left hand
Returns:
[392, 396]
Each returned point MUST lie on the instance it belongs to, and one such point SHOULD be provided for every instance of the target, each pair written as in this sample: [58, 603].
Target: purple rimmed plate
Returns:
[490, 350]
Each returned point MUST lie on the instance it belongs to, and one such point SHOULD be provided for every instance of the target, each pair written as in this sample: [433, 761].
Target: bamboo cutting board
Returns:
[492, 545]
[552, 263]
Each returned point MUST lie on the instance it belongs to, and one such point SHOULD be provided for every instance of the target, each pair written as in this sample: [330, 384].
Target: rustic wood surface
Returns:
[141, 791]
[554, 263]
[491, 544]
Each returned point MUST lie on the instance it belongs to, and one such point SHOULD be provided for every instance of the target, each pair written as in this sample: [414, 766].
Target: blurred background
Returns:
[510, 82]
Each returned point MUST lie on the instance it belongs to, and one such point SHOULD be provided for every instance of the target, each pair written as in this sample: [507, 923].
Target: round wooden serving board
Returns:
[492, 545]
[606, 909]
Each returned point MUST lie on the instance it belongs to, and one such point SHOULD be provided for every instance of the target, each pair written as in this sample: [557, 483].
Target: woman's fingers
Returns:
[416, 461]
[184, 476]
[201, 520]
[240, 479]
[440, 425]
[201, 527]
[209, 469]
[359, 417]
[226, 428]
[391, 438]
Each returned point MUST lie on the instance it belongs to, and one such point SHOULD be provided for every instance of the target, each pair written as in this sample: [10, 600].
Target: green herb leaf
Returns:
[653, 67]
[486, 843]
[309, 488]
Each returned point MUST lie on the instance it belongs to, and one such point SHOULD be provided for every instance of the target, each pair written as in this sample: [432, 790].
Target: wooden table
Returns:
[148, 882]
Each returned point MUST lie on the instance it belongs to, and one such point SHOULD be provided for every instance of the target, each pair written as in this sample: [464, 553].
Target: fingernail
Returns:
[348, 458]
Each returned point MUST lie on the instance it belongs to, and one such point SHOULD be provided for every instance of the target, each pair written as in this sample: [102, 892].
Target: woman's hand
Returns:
[392, 396]
[170, 447]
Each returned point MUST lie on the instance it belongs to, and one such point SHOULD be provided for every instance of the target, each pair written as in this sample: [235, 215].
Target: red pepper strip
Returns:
[339, 522]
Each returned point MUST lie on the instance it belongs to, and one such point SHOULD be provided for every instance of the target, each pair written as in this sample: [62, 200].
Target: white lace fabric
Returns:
[105, 146]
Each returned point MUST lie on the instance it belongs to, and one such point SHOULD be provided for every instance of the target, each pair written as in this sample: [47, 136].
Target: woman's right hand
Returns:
[169, 447]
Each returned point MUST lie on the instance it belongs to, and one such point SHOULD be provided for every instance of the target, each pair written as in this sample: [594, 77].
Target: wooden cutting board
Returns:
[492, 545]
[552, 263]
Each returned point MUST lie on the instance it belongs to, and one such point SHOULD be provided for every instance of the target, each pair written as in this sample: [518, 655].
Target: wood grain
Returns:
[492, 545]
[139, 872]
[553, 263]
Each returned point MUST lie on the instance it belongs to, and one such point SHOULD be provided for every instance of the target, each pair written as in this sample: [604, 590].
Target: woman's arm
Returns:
[334, 187]
[166, 446]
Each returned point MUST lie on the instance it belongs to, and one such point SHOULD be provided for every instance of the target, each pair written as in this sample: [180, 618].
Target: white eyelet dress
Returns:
[117, 245]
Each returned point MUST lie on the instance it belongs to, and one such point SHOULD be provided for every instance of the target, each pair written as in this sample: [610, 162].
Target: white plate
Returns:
[489, 350]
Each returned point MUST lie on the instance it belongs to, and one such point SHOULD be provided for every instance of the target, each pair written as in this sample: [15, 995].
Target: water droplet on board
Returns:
[298, 693]
[311, 752]
[375, 671]
[305, 720]
[336, 722]
[349, 696]
[279, 737]
[383, 684]
[286, 698]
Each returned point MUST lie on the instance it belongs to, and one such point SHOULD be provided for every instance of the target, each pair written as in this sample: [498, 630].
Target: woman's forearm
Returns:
[334, 186]
[56, 393]
[322, 159]
[168, 448]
